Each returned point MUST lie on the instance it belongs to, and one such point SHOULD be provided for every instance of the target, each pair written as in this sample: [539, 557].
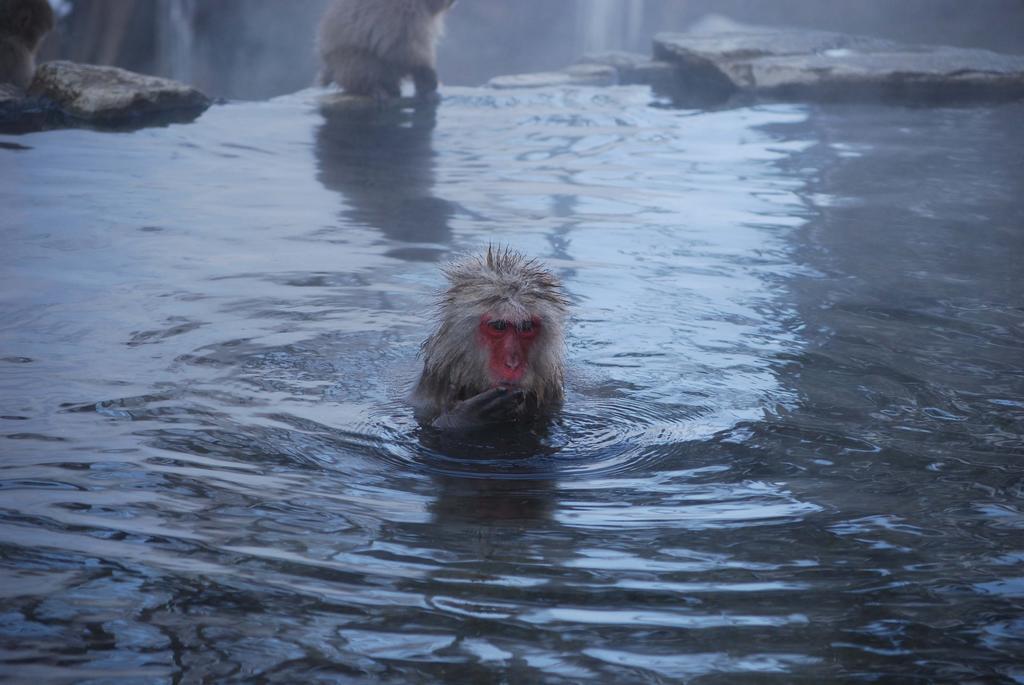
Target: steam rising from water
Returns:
[177, 37]
[610, 24]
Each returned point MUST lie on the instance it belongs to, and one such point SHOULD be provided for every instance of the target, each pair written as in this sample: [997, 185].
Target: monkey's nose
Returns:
[513, 361]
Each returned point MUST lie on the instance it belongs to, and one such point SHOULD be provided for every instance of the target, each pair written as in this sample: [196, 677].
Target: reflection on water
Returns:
[789, 452]
[382, 163]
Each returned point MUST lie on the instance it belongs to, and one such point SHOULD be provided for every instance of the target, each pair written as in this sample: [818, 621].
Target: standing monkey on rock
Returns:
[369, 46]
[497, 355]
[23, 23]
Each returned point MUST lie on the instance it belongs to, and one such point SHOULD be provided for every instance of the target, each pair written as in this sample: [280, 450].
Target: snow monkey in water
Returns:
[23, 23]
[369, 46]
[497, 355]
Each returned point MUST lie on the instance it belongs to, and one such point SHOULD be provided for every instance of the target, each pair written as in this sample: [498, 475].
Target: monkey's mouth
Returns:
[511, 387]
[510, 377]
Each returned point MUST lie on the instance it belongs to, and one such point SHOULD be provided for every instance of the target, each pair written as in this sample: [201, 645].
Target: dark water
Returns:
[792, 451]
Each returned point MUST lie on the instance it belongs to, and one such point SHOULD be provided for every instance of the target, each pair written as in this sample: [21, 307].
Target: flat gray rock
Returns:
[576, 75]
[753, 43]
[825, 65]
[633, 68]
[105, 94]
[340, 101]
[924, 69]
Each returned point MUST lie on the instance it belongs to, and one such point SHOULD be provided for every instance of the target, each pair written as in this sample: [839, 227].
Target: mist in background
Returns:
[255, 49]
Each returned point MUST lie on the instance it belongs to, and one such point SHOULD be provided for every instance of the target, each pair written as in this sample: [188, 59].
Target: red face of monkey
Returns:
[508, 347]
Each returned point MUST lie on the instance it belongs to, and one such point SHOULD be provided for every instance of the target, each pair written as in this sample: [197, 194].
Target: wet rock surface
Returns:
[722, 62]
[109, 93]
[575, 75]
[340, 102]
[66, 94]
[813, 65]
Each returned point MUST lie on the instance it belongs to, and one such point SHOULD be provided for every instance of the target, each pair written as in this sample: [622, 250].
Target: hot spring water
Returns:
[790, 452]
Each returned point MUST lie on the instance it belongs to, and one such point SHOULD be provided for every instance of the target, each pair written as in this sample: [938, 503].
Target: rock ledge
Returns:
[66, 94]
[722, 62]
[820, 65]
[95, 93]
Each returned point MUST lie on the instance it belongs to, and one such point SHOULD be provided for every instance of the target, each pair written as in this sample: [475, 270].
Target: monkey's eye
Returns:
[528, 328]
[498, 325]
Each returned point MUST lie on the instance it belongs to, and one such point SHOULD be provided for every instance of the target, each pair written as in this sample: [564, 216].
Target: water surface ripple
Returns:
[791, 449]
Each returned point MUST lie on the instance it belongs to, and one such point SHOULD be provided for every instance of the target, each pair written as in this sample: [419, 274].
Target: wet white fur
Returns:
[502, 284]
[363, 42]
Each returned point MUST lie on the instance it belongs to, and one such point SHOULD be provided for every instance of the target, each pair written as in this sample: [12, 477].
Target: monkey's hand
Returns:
[497, 405]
